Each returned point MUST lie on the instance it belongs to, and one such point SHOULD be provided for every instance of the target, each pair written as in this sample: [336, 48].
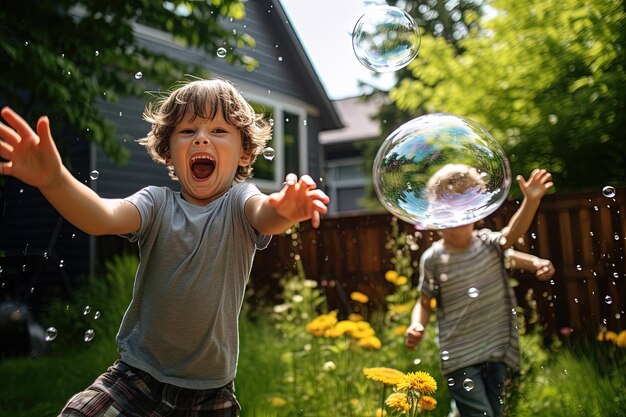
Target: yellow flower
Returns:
[399, 402]
[621, 339]
[355, 317]
[359, 297]
[370, 342]
[418, 381]
[427, 403]
[402, 308]
[608, 336]
[362, 333]
[401, 280]
[391, 276]
[345, 326]
[387, 376]
[319, 325]
[334, 332]
[400, 330]
[278, 401]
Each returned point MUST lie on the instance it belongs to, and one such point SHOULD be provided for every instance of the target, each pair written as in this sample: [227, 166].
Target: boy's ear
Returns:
[245, 157]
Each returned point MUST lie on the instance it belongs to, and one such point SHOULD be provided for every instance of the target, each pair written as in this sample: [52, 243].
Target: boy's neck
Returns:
[457, 245]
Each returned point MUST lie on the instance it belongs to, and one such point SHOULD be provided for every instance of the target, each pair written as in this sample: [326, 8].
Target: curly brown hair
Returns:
[204, 98]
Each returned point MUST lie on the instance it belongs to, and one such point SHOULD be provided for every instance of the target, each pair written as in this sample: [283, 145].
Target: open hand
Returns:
[538, 183]
[300, 200]
[30, 157]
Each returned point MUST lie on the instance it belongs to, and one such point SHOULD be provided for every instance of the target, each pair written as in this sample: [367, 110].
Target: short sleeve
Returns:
[426, 283]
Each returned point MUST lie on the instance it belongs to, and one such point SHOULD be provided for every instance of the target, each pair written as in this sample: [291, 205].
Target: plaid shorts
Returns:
[124, 391]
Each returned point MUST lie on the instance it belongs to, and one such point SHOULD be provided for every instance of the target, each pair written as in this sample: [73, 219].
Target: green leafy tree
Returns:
[66, 56]
[547, 78]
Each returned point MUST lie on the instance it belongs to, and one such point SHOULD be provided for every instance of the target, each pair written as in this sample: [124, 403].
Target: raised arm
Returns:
[34, 159]
[534, 189]
[298, 201]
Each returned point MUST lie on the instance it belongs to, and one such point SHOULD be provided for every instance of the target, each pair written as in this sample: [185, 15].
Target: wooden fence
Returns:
[583, 234]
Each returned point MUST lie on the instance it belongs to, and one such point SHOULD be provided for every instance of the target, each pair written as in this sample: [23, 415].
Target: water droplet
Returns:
[468, 384]
[94, 175]
[445, 355]
[608, 191]
[89, 334]
[269, 153]
[221, 52]
[51, 334]
[608, 299]
[138, 75]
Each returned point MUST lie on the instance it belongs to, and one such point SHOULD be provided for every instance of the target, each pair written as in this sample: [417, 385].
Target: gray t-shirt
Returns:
[194, 263]
[476, 315]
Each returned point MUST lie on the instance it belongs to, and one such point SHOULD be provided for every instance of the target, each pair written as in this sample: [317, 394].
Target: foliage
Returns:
[546, 78]
[70, 55]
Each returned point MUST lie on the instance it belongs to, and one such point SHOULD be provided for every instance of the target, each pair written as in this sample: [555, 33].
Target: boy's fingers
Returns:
[43, 129]
[19, 124]
[291, 179]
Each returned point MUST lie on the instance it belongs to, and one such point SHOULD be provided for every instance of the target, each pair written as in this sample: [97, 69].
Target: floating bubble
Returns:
[221, 52]
[468, 384]
[89, 334]
[385, 39]
[138, 75]
[473, 292]
[96, 315]
[94, 175]
[417, 361]
[440, 171]
[451, 382]
[269, 153]
[445, 355]
[608, 191]
[86, 310]
[51, 334]
[608, 299]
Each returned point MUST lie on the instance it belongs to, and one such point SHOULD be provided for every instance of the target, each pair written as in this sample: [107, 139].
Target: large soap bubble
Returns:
[440, 171]
[385, 39]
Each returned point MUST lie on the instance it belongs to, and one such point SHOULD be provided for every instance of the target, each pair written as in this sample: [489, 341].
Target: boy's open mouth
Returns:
[202, 167]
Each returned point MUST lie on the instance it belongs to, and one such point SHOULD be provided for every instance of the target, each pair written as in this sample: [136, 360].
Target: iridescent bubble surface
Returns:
[385, 39]
[440, 171]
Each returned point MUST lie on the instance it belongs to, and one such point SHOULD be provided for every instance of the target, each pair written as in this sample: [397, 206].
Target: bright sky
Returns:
[324, 28]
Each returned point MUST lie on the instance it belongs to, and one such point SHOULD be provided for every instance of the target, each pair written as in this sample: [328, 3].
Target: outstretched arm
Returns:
[534, 189]
[542, 268]
[34, 159]
[298, 201]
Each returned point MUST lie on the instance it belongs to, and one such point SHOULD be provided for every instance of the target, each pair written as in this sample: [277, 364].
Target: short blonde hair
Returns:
[454, 179]
[204, 98]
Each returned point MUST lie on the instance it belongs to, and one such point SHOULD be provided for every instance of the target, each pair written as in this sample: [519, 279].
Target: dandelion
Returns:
[363, 333]
[608, 336]
[399, 402]
[370, 342]
[391, 276]
[621, 339]
[359, 297]
[426, 402]
[355, 317]
[418, 381]
[387, 376]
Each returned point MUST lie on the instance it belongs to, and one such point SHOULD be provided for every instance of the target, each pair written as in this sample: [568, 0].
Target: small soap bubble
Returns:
[86, 310]
[458, 173]
[608, 191]
[417, 361]
[51, 334]
[608, 299]
[61, 263]
[138, 75]
[94, 175]
[468, 384]
[96, 315]
[221, 52]
[451, 382]
[97, 53]
[443, 277]
[385, 39]
[89, 334]
[269, 153]
[579, 267]
[445, 355]
[473, 292]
